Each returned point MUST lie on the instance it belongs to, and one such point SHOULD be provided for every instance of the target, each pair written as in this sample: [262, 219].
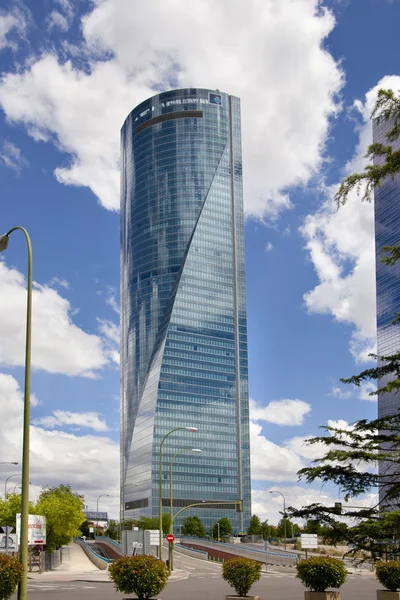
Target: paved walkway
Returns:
[79, 568]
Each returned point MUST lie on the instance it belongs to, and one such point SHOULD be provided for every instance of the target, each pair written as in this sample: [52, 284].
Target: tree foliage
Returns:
[386, 160]
[145, 576]
[254, 526]
[353, 453]
[320, 572]
[193, 526]
[10, 508]
[64, 514]
[11, 571]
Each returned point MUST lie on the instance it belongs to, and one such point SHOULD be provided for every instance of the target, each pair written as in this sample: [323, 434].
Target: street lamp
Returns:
[5, 485]
[8, 463]
[171, 529]
[284, 511]
[192, 429]
[23, 552]
[101, 495]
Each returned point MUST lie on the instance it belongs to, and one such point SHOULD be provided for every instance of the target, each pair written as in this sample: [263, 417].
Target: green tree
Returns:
[64, 514]
[291, 528]
[313, 526]
[265, 530]
[225, 526]
[254, 526]
[151, 523]
[84, 528]
[10, 508]
[112, 529]
[193, 526]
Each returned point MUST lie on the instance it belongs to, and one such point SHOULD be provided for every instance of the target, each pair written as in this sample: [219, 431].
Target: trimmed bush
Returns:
[388, 573]
[11, 571]
[145, 576]
[241, 573]
[321, 572]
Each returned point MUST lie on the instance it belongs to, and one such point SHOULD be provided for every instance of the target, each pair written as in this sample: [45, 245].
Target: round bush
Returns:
[145, 576]
[241, 573]
[388, 573]
[321, 572]
[11, 571]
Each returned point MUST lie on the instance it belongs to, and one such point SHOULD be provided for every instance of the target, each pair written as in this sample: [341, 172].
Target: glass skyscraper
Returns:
[387, 233]
[183, 306]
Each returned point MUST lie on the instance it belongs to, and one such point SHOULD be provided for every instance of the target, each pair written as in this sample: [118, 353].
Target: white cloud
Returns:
[59, 281]
[58, 345]
[12, 156]
[111, 300]
[56, 20]
[270, 506]
[306, 451]
[341, 247]
[288, 95]
[13, 22]
[338, 392]
[270, 462]
[268, 247]
[89, 463]
[89, 420]
[111, 337]
[280, 412]
[365, 390]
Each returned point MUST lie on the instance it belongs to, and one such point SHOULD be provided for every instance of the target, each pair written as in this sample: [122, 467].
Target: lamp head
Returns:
[193, 429]
[3, 242]
[196, 451]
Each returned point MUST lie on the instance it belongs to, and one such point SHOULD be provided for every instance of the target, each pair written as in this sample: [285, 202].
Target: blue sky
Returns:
[307, 73]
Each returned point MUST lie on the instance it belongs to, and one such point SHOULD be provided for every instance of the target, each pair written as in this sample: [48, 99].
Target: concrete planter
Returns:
[386, 595]
[233, 597]
[321, 595]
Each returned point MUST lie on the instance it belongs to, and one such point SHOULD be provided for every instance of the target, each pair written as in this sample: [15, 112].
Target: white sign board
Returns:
[154, 536]
[137, 545]
[309, 540]
[91, 529]
[9, 541]
[36, 529]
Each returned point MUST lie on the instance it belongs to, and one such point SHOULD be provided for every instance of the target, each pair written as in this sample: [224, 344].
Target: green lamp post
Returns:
[171, 529]
[23, 552]
[192, 429]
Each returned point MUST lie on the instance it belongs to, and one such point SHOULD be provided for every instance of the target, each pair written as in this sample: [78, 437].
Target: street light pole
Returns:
[171, 529]
[284, 511]
[192, 429]
[101, 495]
[23, 552]
[5, 484]
[8, 463]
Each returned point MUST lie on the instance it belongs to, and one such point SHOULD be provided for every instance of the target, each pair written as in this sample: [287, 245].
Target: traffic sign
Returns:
[170, 538]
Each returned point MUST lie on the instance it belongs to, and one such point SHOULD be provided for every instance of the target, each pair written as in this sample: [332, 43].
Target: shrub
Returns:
[388, 573]
[241, 573]
[145, 576]
[321, 572]
[11, 571]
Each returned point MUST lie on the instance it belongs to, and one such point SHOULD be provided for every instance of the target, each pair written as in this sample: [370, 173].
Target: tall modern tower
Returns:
[387, 233]
[183, 319]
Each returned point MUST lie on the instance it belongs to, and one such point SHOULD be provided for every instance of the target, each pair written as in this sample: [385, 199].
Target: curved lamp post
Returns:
[171, 513]
[8, 463]
[101, 496]
[5, 484]
[23, 552]
[284, 511]
[192, 429]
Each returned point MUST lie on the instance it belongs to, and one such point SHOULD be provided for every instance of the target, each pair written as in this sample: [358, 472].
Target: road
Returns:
[199, 585]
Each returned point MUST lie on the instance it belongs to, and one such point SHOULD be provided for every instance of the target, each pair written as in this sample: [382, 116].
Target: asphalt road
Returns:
[274, 585]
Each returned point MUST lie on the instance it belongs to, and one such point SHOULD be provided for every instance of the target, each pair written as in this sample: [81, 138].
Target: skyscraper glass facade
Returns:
[387, 233]
[183, 306]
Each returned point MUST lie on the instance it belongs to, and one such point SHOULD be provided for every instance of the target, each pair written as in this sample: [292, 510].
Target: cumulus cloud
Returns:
[280, 412]
[340, 245]
[12, 157]
[89, 420]
[288, 95]
[268, 247]
[269, 461]
[58, 345]
[89, 463]
[338, 392]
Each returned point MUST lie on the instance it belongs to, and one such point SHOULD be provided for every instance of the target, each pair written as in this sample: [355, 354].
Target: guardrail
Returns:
[189, 551]
[108, 539]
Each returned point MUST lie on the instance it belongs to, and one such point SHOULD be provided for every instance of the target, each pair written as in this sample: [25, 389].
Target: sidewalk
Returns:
[80, 568]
